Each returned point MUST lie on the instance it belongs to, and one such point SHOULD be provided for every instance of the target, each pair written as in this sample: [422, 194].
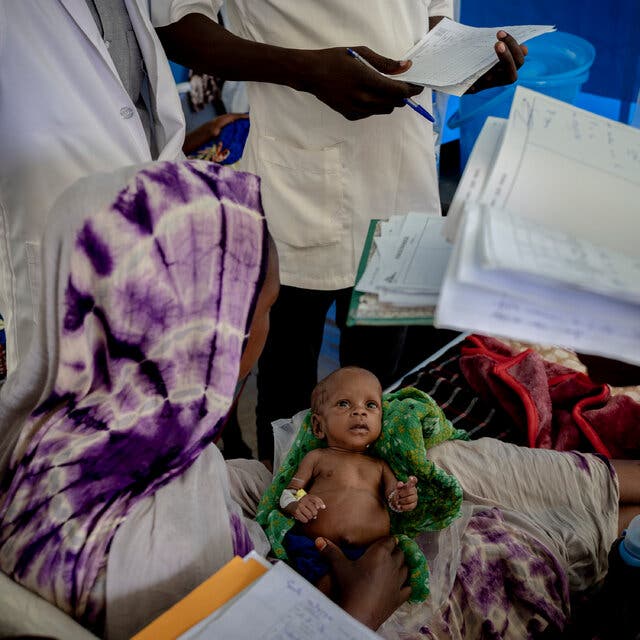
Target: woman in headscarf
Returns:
[148, 297]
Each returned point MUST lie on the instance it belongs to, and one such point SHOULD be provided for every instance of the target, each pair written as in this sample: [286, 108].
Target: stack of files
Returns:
[452, 56]
[401, 271]
[251, 598]
[546, 224]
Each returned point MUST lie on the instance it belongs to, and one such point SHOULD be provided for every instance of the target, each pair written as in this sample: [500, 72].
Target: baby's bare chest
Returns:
[354, 472]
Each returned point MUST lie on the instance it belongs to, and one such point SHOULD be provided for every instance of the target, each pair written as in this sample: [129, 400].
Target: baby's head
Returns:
[347, 409]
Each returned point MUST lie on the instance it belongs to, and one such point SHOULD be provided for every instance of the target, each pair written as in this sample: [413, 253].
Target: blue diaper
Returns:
[305, 558]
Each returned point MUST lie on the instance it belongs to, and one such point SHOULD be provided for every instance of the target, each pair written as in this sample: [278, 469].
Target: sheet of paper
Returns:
[460, 88]
[403, 242]
[420, 257]
[281, 605]
[453, 54]
[392, 226]
[476, 172]
[384, 244]
[570, 170]
[407, 262]
[513, 307]
[518, 244]
[425, 263]
[520, 286]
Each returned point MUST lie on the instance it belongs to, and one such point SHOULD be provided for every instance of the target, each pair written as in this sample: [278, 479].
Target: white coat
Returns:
[324, 177]
[64, 114]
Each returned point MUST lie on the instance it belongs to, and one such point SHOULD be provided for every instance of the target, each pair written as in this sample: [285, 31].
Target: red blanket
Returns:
[557, 407]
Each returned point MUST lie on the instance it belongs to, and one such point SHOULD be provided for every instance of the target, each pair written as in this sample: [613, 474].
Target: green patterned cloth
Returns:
[412, 423]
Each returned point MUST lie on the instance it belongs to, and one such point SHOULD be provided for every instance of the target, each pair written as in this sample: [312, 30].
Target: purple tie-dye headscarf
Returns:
[156, 293]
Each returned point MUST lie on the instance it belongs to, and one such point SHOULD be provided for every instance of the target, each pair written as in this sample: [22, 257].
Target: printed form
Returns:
[409, 261]
[570, 170]
[452, 56]
[546, 234]
[501, 303]
[518, 244]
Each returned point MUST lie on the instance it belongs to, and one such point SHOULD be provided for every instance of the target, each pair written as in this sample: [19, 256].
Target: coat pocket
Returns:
[302, 193]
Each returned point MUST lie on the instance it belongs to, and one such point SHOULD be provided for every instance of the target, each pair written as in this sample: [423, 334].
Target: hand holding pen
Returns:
[347, 86]
[408, 101]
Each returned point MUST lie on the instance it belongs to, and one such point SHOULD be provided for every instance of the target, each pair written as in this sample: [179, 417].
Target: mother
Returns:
[115, 501]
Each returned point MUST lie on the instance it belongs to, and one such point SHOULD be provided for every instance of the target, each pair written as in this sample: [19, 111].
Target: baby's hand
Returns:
[405, 496]
[308, 507]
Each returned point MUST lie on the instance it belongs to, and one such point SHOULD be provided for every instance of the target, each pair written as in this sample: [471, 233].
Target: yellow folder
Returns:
[204, 599]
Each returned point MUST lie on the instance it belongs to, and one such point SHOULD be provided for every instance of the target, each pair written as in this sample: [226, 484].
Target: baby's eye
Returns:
[372, 405]
[343, 403]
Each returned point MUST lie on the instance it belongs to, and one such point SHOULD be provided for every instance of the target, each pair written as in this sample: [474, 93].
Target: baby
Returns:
[340, 492]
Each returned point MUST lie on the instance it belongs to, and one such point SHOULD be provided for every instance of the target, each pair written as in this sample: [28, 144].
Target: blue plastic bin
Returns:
[557, 65]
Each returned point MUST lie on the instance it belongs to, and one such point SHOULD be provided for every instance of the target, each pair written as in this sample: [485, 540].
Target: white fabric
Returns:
[323, 177]
[284, 432]
[286, 498]
[23, 612]
[572, 511]
[234, 96]
[64, 114]
[177, 538]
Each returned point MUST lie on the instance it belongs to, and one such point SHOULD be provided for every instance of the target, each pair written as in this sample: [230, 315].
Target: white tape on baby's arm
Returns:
[287, 497]
[291, 495]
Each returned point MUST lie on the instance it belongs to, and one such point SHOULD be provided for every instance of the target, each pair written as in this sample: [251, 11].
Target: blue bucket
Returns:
[557, 65]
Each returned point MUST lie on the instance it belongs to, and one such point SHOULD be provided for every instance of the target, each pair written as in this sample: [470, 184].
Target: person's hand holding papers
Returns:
[511, 57]
[357, 92]
[455, 58]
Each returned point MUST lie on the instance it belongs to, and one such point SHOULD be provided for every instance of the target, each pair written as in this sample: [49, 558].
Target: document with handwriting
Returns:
[281, 605]
[514, 305]
[452, 56]
[570, 170]
[520, 245]
[547, 238]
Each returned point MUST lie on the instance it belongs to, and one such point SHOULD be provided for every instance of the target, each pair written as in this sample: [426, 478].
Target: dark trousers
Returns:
[288, 366]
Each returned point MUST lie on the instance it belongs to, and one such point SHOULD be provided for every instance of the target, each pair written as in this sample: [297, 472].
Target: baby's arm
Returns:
[294, 501]
[401, 496]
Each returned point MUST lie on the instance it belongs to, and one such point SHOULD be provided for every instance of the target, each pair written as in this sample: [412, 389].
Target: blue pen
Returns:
[408, 101]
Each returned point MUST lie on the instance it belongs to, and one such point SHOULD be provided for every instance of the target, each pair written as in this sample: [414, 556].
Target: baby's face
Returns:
[350, 416]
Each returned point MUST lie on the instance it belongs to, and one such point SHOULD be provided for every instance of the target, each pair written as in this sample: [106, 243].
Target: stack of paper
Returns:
[546, 223]
[452, 56]
[403, 265]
